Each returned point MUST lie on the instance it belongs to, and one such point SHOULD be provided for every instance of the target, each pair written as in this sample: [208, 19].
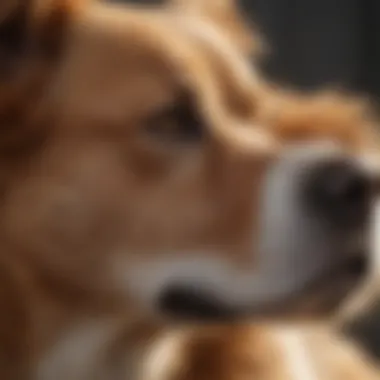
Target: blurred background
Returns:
[319, 42]
[315, 43]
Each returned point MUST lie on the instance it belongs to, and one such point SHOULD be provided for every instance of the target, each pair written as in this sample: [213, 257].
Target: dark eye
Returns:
[178, 122]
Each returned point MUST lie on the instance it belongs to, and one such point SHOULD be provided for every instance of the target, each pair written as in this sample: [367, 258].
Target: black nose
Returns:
[340, 191]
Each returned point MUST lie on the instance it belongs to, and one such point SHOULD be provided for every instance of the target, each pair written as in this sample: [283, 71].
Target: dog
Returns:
[151, 180]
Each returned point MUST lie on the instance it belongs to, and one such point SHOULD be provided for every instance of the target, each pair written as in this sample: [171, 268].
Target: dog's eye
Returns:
[178, 122]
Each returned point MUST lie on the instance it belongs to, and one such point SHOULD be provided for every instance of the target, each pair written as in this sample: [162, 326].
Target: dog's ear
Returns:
[209, 7]
[13, 29]
[32, 34]
[31, 28]
[228, 17]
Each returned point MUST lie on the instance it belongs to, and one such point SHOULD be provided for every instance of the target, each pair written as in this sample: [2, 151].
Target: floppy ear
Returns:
[31, 36]
[226, 15]
[30, 28]
[208, 7]
[13, 29]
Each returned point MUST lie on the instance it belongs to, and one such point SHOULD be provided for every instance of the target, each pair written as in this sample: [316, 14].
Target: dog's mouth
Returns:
[324, 295]
[319, 298]
[356, 267]
[347, 275]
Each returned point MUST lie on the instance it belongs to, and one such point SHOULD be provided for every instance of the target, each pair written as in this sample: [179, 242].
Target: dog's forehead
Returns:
[154, 55]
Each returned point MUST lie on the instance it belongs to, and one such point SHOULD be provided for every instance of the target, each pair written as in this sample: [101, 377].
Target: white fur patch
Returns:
[375, 240]
[163, 357]
[295, 354]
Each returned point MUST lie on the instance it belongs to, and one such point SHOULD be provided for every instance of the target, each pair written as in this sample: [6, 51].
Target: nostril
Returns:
[340, 190]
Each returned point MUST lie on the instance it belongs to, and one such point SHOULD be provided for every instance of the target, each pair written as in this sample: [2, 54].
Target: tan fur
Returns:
[262, 352]
[85, 188]
[226, 16]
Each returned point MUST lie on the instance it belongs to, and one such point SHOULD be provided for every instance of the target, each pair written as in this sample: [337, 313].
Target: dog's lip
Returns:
[330, 289]
[186, 302]
[358, 265]
[349, 272]
[355, 266]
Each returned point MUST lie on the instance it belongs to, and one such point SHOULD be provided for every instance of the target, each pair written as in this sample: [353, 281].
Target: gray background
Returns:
[319, 42]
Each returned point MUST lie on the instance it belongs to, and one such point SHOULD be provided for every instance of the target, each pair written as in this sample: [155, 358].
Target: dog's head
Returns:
[142, 158]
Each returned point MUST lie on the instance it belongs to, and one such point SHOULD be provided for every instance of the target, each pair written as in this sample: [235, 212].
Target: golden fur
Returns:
[84, 180]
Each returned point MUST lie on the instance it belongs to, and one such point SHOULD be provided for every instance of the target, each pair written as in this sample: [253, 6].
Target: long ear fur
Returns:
[226, 15]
